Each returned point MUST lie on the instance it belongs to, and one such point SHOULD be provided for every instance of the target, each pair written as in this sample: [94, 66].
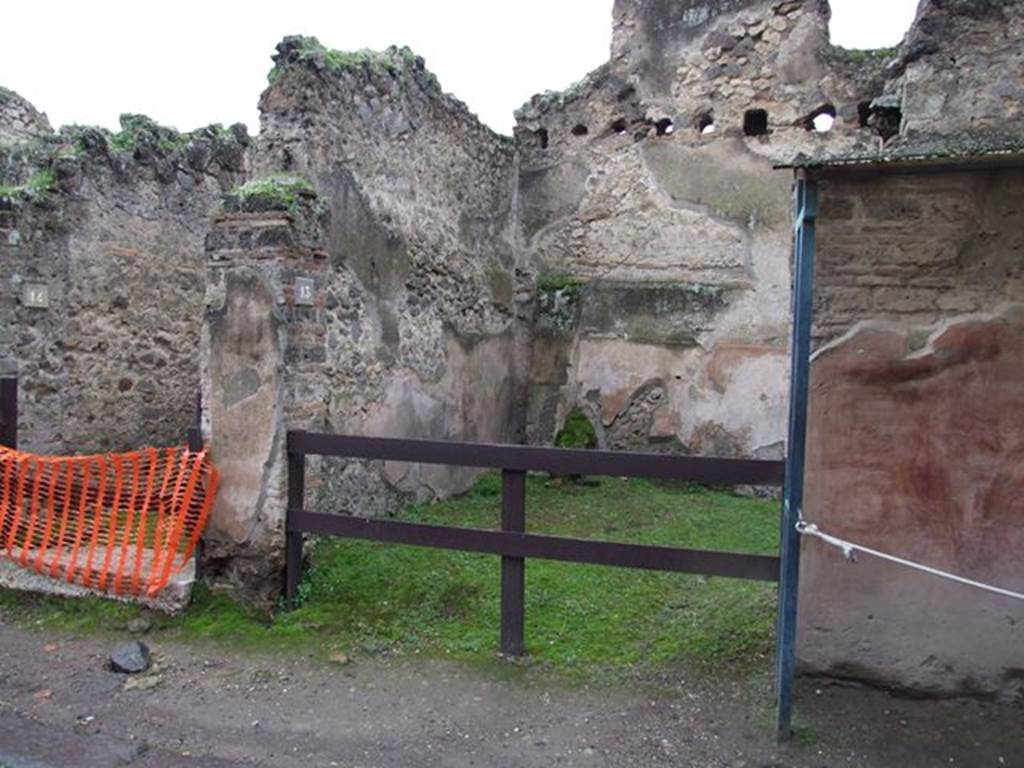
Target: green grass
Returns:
[367, 598]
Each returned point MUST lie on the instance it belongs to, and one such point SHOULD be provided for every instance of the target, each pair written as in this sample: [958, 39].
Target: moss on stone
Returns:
[274, 193]
[139, 130]
[310, 50]
[557, 282]
[39, 185]
[576, 432]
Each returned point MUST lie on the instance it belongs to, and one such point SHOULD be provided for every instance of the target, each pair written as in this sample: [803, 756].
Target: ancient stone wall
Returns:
[957, 75]
[917, 249]
[647, 192]
[111, 226]
[19, 120]
[425, 334]
[411, 322]
[392, 267]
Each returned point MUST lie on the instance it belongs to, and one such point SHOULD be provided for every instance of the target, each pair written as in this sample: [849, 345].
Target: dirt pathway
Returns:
[60, 706]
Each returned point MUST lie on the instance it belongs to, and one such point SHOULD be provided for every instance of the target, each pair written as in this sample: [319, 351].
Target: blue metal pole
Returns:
[793, 496]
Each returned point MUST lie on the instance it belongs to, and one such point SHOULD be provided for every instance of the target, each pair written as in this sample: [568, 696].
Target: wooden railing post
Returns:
[9, 412]
[195, 432]
[293, 537]
[513, 569]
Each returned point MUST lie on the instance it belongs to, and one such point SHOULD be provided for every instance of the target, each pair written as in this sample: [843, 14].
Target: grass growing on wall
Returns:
[368, 598]
[273, 193]
[38, 185]
[576, 432]
[555, 281]
[310, 49]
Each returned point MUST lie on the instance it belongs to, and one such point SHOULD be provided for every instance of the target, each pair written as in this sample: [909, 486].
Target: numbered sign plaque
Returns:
[35, 295]
[304, 291]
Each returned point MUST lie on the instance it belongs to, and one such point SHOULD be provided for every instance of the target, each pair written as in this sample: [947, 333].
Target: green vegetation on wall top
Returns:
[142, 131]
[310, 49]
[274, 193]
[37, 186]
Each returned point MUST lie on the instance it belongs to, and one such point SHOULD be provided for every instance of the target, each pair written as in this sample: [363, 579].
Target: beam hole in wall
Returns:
[863, 113]
[579, 130]
[755, 122]
[542, 138]
[664, 127]
[705, 123]
[885, 117]
[619, 126]
[821, 119]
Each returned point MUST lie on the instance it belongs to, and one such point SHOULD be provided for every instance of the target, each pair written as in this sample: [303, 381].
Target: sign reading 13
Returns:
[304, 291]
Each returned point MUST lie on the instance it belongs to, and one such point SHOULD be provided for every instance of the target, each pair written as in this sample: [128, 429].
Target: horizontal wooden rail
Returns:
[557, 461]
[644, 556]
[512, 542]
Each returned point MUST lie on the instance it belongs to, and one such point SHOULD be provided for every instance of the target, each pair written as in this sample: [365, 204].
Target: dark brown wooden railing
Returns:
[512, 542]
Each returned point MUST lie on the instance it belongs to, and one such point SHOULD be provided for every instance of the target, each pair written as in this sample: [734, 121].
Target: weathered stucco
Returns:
[626, 255]
[679, 238]
[916, 429]
[918, 452]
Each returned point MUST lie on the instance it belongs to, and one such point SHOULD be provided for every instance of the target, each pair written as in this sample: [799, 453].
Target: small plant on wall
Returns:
[577, 432]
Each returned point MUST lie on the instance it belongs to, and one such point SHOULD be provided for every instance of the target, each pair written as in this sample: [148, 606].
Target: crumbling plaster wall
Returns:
[427, 337]
[415, 326]
[916, 430]
[644, 190]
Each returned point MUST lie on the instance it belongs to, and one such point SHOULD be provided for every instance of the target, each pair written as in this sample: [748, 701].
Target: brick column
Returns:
[264, 333]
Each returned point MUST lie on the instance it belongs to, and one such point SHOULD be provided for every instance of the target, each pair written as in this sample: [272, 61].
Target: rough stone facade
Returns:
[414, 326]
[626, 254]
[648, 187]
[112, 226]
[19, 120]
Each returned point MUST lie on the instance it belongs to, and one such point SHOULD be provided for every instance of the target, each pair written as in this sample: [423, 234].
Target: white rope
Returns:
[849, 548]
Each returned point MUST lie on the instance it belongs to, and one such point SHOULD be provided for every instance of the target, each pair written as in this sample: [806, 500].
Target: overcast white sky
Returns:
[190, 63]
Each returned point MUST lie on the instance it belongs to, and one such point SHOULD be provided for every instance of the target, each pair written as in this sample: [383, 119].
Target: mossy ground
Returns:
[366, 598]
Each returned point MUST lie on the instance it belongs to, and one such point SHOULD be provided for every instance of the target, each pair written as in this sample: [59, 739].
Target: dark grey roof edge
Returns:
[940, 151]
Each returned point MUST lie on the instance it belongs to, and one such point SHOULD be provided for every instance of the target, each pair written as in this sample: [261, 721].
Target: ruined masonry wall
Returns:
[644, 188]
[115, 235]
[424, 334]
[413, 326]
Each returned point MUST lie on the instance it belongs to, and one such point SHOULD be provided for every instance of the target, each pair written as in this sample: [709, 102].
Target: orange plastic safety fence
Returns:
[122, 523]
